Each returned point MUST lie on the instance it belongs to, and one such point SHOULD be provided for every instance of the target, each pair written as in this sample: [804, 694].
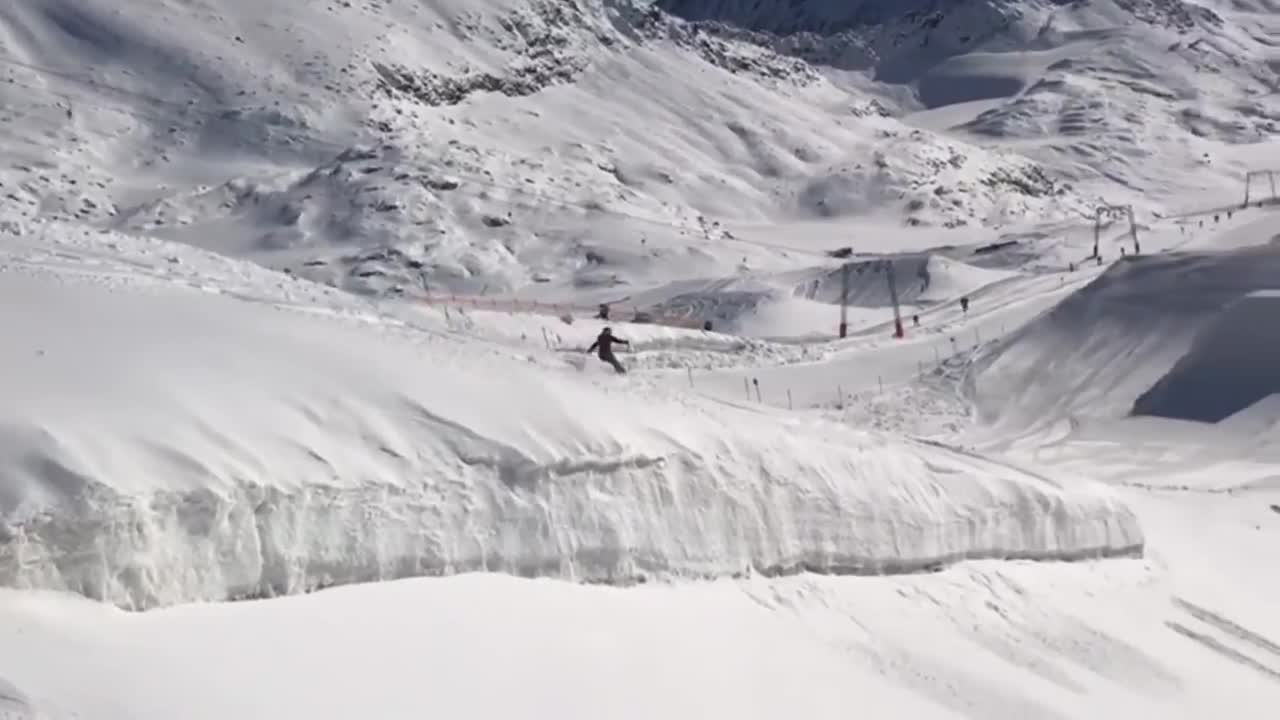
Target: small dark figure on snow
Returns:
[603, 312]
[964, 305]
[915, 320]
[605, 343]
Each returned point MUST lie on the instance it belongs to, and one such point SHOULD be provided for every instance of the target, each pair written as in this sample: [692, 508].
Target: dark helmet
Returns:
[606, 331]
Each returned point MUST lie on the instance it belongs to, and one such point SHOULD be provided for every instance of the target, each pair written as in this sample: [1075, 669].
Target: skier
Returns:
[605, 343]
[964, 305]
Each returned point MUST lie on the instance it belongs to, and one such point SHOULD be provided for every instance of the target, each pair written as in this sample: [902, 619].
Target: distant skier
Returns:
[964, 305]
[605, 343]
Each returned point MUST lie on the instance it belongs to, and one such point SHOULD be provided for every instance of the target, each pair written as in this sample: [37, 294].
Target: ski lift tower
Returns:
[1248, 180]
[844, 299]
[898, 332]
[1113, 211]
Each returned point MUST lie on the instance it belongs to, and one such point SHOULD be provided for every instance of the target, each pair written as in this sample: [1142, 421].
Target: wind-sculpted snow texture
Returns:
[162, 444]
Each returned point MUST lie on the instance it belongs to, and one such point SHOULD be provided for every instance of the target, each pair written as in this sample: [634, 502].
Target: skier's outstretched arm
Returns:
[594, 345]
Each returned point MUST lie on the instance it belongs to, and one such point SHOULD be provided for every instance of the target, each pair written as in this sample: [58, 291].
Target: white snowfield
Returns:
[989, 640]
[229, 371]
[163, 444]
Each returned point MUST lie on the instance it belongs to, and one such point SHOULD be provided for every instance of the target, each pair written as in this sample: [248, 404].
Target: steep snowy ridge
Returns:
[240, 451]
[1102, 348]
[1229, 367]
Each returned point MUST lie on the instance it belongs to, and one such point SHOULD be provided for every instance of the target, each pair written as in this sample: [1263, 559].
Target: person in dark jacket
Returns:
[605, 342]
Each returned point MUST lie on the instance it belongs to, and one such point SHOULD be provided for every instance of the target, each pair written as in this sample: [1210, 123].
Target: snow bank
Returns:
[1233, 363]
[162, 444]
[1099, 350]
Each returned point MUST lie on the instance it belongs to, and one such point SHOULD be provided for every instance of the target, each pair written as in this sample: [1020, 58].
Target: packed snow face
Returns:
[1233, 363]
[1097, 352]
[246, 447]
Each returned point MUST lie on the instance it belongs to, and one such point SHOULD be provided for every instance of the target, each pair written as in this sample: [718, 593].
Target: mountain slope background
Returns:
[594, 148]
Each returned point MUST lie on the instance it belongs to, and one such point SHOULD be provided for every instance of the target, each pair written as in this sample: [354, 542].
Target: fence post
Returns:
[880, 380]
[840, 397]
[789, 405]
[746, 386]
[690, 377]
[756, 382]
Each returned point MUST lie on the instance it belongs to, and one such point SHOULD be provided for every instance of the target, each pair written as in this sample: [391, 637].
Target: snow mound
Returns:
[1233, 363]
[250, 448]
[1107, 344]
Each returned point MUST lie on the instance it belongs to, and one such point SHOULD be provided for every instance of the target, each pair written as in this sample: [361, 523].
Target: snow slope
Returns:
[221, 447]
[195, 409]
[543, 147]
[1136, 99]
[1095, 353]
[990, 640]
[1230, 366]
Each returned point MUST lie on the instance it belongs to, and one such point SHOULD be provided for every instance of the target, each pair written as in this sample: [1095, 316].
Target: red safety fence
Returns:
[617, 313]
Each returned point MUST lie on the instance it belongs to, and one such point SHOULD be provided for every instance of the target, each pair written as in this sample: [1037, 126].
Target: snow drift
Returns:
[1106, 345]
[161, 443]
[1233, 363]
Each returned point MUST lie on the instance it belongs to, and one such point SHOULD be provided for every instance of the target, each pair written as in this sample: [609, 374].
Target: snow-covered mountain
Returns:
[296, 296]
[1129, 91]
[497, 145]
[510, 146]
